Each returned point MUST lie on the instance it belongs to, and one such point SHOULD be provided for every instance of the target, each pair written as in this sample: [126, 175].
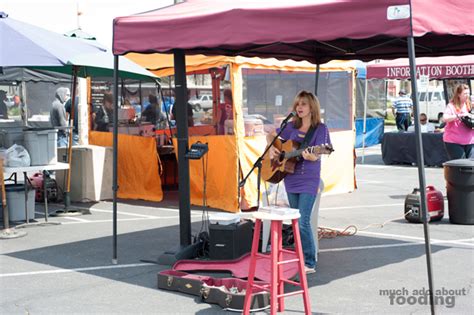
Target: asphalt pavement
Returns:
[67, 268]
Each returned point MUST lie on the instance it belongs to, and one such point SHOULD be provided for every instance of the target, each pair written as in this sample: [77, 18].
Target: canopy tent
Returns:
[100, 64]
[31, 75]
[276, 28]
[34, 47]
[29, 45]
[452, 67]
[36, 88]
[273, 28]
[222, 191]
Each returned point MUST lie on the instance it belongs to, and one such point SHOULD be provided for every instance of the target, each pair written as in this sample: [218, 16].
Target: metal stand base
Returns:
[170, 257]
[11, 233]
[31, 224]
[67, 213]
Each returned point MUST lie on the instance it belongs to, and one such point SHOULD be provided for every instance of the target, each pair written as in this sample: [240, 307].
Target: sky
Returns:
[60, 15]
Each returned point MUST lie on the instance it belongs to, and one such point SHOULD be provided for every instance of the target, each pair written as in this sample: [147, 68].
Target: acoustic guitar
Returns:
[274, 170]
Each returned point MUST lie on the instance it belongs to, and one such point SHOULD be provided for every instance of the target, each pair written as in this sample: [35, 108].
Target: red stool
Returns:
[276, 286]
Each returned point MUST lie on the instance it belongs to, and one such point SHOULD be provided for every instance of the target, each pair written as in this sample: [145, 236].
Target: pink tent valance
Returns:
[316, 31]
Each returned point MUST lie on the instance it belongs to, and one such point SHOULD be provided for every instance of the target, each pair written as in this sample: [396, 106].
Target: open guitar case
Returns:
[229, 293]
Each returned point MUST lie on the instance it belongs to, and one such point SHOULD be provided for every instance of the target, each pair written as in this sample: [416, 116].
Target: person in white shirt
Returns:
[425, 125]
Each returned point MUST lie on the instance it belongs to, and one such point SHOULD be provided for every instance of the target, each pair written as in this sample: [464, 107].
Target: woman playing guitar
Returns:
[302, 185]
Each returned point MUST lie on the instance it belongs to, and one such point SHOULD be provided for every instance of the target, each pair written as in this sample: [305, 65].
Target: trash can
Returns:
[42, 146]
[16, 203]
[459, 176]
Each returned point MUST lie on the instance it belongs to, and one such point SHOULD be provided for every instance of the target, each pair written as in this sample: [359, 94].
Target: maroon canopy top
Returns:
[317, 31]
[436, 68]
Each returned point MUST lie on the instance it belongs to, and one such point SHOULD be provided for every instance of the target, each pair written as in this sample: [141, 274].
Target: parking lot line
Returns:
[76, 219]
[130, 219]
[369, 247]
[55, 271]
[120, 212]
[432, 240]
[363, 206]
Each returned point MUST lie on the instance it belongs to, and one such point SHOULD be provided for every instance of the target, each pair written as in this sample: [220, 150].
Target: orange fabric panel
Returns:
[138, 173]
[252, 148]
[222, 176]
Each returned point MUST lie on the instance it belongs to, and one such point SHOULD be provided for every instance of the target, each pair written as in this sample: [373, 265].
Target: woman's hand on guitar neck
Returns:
[307, 155]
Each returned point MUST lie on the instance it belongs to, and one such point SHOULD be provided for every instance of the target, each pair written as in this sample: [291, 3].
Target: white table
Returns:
[12, 171]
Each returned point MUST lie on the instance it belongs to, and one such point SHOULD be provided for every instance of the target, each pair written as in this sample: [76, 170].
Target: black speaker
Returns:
[230, 241]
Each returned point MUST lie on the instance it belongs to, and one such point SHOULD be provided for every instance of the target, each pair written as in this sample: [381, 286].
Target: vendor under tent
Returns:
[291, 31]
[235, 153]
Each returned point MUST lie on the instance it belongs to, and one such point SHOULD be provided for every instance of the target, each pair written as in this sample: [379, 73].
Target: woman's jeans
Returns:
[304, 202]
[62, 140]
[459, 151]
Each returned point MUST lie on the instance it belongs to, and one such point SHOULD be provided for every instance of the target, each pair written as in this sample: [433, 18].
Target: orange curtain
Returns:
[138, 160]
[221, 173]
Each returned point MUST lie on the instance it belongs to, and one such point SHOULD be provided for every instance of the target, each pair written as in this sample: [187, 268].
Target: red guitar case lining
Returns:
[240, 267]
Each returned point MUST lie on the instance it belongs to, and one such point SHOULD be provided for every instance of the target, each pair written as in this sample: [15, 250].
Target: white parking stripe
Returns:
[134, 214]
[392, 245]
[130, 219]
[124, 213]
[43, 272]
[415, 238]
[154, 208]
[392, 167]
[368, 247]
[76, 219]
[370, 181]
[363, 206]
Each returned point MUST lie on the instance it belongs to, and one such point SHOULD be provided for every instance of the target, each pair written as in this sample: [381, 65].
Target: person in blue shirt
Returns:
[402, 109]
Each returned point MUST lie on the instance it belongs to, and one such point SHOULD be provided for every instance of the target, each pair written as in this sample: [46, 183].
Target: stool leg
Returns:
[302, 273]
[281, 284]
[274, 268]
[252, 267]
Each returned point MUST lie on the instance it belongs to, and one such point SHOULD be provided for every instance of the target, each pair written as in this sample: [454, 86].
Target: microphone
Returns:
[285, 121]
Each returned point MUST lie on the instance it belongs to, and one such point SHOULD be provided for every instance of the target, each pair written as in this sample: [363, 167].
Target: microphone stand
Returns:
[258, 163]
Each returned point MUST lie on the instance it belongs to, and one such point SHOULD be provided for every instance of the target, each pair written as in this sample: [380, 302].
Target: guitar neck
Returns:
[320, 149]
[294, 153]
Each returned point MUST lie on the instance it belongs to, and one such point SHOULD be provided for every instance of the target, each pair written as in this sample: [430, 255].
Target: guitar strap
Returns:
[308, 136]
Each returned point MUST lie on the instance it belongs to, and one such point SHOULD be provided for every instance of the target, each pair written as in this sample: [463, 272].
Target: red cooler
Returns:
[435, 205]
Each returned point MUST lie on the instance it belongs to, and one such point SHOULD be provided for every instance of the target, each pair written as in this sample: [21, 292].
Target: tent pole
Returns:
[24, 104]
[115, 160]
[316, 81]
[421, 167]
[67, 190]
[183, 163]
[364, 128]
[186, 250]
[445, 92]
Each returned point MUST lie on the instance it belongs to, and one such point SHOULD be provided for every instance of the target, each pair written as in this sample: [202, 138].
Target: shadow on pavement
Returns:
[340, 257]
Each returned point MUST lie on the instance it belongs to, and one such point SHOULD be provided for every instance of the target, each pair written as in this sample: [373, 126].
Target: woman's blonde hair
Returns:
[315, 108]
[456, 100]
